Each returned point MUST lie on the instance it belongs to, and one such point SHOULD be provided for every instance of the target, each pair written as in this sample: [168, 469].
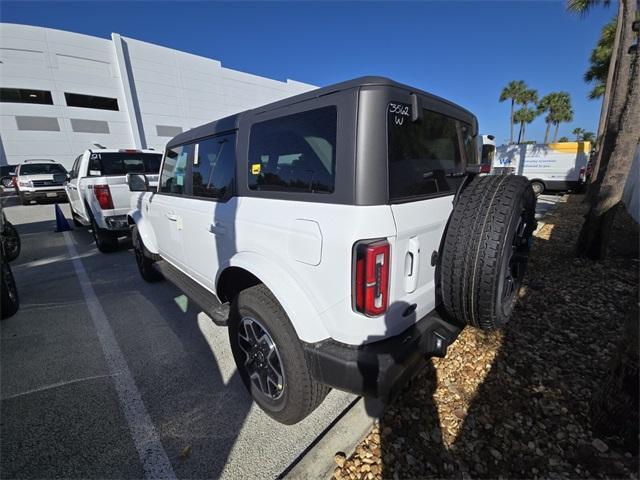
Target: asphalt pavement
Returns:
[62, 408]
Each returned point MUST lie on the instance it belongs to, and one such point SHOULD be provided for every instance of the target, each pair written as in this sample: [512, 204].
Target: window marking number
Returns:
[399, 112]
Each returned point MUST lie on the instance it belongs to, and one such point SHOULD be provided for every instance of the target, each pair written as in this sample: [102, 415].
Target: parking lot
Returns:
[104, 375]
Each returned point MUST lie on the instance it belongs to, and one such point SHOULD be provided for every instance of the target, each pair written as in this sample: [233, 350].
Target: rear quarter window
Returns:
[294, 153]
[428, 157]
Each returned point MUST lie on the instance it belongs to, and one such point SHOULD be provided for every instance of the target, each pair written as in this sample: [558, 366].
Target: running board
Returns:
[207, 301]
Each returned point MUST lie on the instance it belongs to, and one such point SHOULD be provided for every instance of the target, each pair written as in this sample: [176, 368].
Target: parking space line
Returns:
[155, 462]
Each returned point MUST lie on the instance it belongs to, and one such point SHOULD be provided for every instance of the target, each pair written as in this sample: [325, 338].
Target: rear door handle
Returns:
[217, 229]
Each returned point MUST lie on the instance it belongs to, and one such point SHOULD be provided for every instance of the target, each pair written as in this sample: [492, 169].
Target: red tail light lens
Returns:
[371, 279]
[485, 168]
[103, 195]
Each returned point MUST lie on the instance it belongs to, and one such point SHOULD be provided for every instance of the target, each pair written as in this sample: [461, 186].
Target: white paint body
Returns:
[302, 251]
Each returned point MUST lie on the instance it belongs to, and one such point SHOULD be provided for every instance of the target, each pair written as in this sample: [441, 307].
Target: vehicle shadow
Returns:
[519, 403]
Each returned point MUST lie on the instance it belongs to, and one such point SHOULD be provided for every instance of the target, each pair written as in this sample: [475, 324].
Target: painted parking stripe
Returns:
[155, 462]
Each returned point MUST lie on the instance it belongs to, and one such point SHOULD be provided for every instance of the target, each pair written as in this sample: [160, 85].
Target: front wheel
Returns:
[11, 241]
[270, 358]
[538, 188]
[144, 259]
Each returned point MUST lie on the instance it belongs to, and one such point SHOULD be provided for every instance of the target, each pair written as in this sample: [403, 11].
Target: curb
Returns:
[343, 435]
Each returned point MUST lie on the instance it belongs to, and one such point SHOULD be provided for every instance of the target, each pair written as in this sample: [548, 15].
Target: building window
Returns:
[167, 131]
[91, 101]
[89, 126]
[296, 153]
[23, 95]
[214, 167]
[43, 124]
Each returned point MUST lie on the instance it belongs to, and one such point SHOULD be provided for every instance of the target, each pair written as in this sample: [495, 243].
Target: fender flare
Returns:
[144, 229]
[295, 302]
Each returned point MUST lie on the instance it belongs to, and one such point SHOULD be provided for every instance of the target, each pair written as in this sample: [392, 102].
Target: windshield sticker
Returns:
[255, 168]
[399, 112]
[95, 172]
[95, 156]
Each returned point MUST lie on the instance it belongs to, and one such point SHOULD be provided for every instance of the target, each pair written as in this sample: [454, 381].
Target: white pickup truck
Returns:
[98, 192]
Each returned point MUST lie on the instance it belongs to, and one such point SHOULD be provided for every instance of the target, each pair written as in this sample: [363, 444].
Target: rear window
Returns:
[120, 163]
[426, 157]
[41, 168]
[295, 153]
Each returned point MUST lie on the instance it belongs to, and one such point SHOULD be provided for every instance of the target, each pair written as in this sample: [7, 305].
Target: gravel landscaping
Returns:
[518, 403]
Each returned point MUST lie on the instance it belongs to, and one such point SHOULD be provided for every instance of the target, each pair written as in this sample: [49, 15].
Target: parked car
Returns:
[338, 234]
[35, 181]
[98, 192]
[7, 172]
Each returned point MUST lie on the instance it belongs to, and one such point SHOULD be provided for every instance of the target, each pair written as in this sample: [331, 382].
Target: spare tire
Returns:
[485, 249]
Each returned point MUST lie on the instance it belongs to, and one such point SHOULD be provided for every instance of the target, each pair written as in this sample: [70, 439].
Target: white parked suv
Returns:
[98, 193]
[339, 234]
[35, 181]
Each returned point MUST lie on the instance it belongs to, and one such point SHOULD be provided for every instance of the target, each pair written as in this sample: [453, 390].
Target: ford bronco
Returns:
[341, 235]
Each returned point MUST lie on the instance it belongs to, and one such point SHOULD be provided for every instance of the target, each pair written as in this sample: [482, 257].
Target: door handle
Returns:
[171, 216]
[412, 265]
[217, 229]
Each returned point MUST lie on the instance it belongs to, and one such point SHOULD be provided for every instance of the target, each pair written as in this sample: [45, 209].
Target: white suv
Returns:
[35, 181]
[98, 192]
[339, 235]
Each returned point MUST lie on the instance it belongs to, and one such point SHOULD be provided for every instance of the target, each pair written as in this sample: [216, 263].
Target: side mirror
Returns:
[137, 182]
[60, 177]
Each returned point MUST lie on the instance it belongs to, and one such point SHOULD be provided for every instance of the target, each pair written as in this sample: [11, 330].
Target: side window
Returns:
[75, 168]
[174, 169]
[296, 153]
[214, 167]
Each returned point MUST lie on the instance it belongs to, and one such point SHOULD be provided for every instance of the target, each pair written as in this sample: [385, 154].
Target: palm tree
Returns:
[578, 132]
[619, 134]
[600, 59]
[512, 92]
[549, 104]
[563, 139]
[588, 136]
[524, 116]
[525, 98]
[561, 112]
[618, 82]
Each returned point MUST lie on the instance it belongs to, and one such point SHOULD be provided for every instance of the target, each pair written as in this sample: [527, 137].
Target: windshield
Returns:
[41, 168]
[426, 157]
[120, 163]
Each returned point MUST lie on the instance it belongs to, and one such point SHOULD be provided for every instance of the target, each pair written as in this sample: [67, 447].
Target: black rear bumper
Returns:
[382, 368]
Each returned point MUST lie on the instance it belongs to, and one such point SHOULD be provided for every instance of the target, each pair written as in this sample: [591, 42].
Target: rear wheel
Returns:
[144, 258]
[106, 241]
[9, 294]
[24, 200]
[486, 249]
[270, 357]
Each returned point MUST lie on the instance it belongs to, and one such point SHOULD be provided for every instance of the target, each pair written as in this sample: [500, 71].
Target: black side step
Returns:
[207, 301]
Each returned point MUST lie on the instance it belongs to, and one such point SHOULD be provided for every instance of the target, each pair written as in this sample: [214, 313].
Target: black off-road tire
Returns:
[11, 241]
[106, 241]
[486, 249]
[9, 292]
[144, 258]
[301, 394]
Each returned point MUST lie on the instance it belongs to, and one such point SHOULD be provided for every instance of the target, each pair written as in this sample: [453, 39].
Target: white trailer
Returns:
[549, 167]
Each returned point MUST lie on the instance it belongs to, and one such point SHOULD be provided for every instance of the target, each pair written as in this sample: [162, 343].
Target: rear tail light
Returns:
[103, 195]
[371, 279]
[485, 168]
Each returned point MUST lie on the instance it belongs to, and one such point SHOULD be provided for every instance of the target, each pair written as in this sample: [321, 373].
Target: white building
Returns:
[60, 92]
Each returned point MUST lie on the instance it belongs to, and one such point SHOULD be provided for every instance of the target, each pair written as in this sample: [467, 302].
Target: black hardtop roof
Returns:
[231, 122]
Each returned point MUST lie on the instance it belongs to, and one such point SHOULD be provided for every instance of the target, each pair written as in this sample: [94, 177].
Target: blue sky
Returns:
[463, 51]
